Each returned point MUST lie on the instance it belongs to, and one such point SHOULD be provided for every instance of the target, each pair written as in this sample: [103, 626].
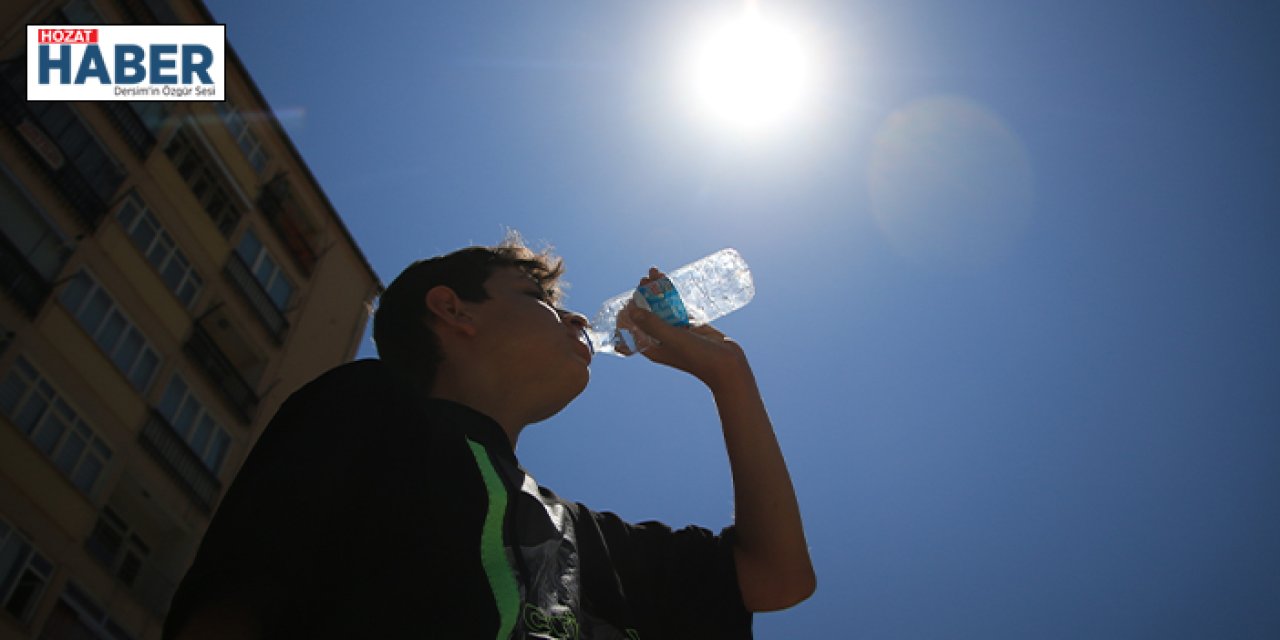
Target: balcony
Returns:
[289, 222]
[86, 177]
[20, 280]
[179, 461]
[208, 183]
[131, 126]
[273, 320]
[220, 371]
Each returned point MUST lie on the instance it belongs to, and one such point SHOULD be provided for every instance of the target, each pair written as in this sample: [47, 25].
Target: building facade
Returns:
[169, 273]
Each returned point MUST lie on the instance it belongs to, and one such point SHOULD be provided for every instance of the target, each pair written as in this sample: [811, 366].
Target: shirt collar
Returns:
[478, 427]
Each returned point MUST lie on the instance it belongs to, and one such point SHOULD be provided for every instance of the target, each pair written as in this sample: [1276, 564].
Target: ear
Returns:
[449, 311]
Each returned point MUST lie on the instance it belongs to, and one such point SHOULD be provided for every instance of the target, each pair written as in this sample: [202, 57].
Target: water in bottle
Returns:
[696, 293]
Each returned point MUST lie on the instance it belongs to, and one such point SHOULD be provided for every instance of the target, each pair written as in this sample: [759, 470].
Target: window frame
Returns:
[28, 560]
[250, 144]
[111, 319]
[189, 280]
[91, 448]
[90, 614]
[116, 545]
[52, 241]
[264, 260]
[153, 115]
[80, 146]
[215, 443]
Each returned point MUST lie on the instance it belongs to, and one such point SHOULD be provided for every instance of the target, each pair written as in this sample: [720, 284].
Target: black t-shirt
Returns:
[364, 511]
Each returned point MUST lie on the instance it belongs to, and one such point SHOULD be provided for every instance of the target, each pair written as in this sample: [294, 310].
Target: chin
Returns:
[568, 395]
[577, 389]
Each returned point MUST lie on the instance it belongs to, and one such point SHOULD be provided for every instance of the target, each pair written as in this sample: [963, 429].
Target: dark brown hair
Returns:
[402, 327]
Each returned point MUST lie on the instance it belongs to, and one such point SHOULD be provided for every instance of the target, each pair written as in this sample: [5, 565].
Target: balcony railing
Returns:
[20, 280]
[209, 184]
[179, 461]
[130, 126]
[222, 373]
[273, 320]
[280, 210]
[85, 193]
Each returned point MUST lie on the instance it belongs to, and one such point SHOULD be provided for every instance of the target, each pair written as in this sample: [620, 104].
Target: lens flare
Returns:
[950, 183]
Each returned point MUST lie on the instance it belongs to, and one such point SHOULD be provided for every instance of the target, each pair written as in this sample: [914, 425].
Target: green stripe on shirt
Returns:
[493, 554]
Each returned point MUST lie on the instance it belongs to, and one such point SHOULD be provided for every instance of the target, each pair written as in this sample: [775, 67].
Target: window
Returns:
[31, 235]
[102, 318]
[24, 573]
[238, 125]
[117, 547]
[296, 229]
[189, 418]
[100, 171]
[152, 114]
[160, 250]
[81, 12]
[78, 616]
[54, 426]
[265, 270]
[82, 171]
[205, 182]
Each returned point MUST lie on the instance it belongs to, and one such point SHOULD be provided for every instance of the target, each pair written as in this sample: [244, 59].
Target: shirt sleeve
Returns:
[675, 583]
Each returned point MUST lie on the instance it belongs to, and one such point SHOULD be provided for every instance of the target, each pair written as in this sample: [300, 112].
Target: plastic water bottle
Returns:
[694, 294]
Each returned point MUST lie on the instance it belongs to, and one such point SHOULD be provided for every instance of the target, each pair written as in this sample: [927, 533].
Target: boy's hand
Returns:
[702, 351]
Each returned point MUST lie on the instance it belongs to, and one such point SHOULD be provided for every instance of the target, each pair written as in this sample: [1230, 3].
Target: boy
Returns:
[385, 498]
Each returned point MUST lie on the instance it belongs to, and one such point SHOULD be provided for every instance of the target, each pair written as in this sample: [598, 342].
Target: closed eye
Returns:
[543, 298]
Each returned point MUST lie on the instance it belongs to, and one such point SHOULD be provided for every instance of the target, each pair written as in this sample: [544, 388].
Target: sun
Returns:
[751, 74]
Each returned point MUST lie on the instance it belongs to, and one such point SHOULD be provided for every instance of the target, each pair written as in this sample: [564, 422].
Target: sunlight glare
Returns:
[751, 74]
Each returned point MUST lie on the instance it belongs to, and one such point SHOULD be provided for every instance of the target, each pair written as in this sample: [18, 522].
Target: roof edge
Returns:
[293, 150]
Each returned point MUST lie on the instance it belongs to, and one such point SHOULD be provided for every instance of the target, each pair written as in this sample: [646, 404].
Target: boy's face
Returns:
[543, 351]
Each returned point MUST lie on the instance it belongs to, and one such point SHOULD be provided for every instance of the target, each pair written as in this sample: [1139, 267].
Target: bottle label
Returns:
[661, 297]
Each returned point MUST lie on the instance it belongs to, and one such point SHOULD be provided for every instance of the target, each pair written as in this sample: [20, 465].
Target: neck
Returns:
[489, 397]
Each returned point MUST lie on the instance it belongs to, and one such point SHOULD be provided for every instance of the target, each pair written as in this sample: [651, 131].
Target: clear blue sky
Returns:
[1018, 269]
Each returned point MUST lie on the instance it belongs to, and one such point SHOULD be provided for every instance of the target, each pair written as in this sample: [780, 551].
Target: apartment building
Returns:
[169, 273]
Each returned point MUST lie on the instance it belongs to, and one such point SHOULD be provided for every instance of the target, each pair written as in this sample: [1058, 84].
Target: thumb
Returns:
[660, 335]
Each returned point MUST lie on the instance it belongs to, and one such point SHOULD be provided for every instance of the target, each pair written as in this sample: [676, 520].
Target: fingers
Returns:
[651, 324]
[707, 330]
[621, 347]
[688, 340]
[654, 274]
[689, 349]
